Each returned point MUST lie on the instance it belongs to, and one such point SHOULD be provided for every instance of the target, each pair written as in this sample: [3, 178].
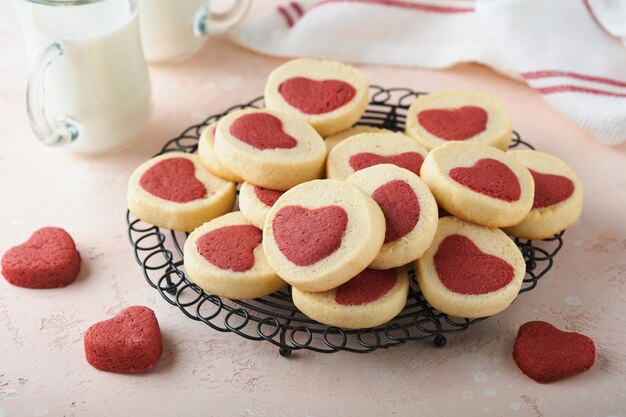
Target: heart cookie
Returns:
[206, 152]
[458, 116]
[371, 298]
[330, 95]
[48, 259]
[469, 270]
[547, 354]
[175, 191]
[225, 257]
[130, 342]
[321, 233]
[558, 199]
[269, 149]
[255, 202]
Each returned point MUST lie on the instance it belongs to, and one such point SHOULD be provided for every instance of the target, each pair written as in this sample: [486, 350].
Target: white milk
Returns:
[101, 80]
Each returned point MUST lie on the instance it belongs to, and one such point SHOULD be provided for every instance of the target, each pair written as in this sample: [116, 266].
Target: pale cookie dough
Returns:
[368, 149]
[175, 191]
[479, 183]
[225, 257]
[370, 299]
[206, 152]
[558, 198]
[269, 149]
[470, 271]
[321, 233]
[437, 118]
[255, 202]
[410, 211]
[333, 140]
[330, 95]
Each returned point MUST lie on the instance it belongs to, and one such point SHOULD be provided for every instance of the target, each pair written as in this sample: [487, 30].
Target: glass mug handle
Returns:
[208, 23]
[63, 130]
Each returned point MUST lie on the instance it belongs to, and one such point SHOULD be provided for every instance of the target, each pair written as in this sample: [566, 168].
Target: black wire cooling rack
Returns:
[274, 318]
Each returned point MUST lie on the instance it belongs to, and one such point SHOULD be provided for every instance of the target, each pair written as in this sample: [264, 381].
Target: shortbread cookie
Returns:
[469, 270]
[333, 140]
[130, 342]
[269, 149]
[479, 183]
[437, 118]
[321, 233]
[175, 191]
[558, 198]
[410, 211]
[370, 299]
[330, 95]
[48, 259]
[547, 354]
[225, 257]
[255, 202]
[206, 152]
[369, 149]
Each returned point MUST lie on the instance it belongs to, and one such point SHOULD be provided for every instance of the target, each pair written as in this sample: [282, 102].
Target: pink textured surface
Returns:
[42, 368]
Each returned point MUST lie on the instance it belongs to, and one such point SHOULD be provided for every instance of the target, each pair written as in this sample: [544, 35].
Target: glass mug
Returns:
[173, 30]
[88, 85]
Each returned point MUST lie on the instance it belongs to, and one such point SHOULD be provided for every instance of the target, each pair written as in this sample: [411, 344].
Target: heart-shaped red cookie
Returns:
[307, 236]
[400, 206]
[489, 177]
[262, 131]
[173, 179]
[551, 189]
[407, 160]
[548, 354]
[230, 247]
[316, 96]
[366, 287]
[48, 259]
[130, 342]
[454, 124]
[463, 268]
[267, 196]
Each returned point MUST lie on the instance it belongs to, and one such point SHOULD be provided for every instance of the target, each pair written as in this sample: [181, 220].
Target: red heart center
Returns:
[267, 196]
[551, 189]
[230, 247]
[307, 236]
[547, 354]
[400, 206]
[490, 177]
[454, 124]
[367, 286]
[262, 131]
[173, 179]
[407, 160]
[316, 97]
[463, 268]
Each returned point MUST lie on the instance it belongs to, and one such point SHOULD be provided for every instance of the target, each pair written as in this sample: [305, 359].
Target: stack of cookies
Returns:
[341, 219]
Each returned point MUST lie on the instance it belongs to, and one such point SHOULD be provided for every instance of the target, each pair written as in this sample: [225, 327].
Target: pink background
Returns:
[42, 365]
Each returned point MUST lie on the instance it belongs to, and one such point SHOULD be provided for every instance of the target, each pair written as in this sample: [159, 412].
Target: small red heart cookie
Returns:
[255, 202]
[479, 183]
[48, 259]
[269, 149]
[469, 270]
[175, 191]
[130, 342]
[225, 257]
[369, 149]
[321, 233]
[547, 354]
[330, 95]
[410, 212]
[371, 298]
[558, 198]
[206, 152]
[436, 118]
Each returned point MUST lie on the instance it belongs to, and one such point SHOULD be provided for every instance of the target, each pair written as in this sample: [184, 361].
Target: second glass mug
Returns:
[173, 30]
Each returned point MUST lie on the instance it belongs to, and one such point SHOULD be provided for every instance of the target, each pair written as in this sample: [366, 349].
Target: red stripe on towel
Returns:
[298, 9]
[533, 75]
[286, 15]
[577, 89]
[402, 4]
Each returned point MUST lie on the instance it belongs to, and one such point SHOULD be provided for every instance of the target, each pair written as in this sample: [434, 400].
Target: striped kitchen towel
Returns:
[573, 52]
